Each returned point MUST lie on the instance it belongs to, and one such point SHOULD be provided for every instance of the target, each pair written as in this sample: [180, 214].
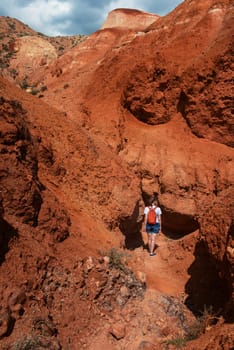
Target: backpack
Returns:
[151, 216]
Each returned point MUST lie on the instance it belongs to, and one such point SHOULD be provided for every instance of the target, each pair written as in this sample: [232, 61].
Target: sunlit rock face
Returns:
[129, 19]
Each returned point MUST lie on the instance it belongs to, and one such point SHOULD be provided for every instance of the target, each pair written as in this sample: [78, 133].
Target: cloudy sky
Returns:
[69, 17]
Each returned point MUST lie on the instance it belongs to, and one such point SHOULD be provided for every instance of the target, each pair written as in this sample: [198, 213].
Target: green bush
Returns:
[200, 325]
[24, 84]
[43, 88]
[179, 342]
[12, 25]
[116, 259]
[28, 343]
[195, 330]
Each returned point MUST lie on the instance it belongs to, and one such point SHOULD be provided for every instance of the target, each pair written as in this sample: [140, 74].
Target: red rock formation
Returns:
[125, 115]
[129, 19]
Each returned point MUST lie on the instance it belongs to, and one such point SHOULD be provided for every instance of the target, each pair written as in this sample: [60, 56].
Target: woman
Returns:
[152, 224]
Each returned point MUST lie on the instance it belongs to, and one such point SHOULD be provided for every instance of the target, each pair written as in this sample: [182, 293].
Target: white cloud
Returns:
[67, 17]
[132, 4]
[46, 16]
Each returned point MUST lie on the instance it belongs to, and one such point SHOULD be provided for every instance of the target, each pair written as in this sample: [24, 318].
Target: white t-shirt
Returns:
[158, 212]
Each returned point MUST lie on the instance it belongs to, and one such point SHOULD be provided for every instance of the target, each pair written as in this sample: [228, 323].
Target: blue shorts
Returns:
[153, 228]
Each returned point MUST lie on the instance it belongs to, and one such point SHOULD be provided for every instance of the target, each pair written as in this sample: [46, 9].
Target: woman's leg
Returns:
[149, 241]
[152, 243]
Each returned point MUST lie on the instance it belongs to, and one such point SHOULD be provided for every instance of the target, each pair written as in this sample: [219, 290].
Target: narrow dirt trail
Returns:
[156, 315]
[167, 271]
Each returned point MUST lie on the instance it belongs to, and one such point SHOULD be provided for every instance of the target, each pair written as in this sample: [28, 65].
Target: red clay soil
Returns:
[87, 137]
